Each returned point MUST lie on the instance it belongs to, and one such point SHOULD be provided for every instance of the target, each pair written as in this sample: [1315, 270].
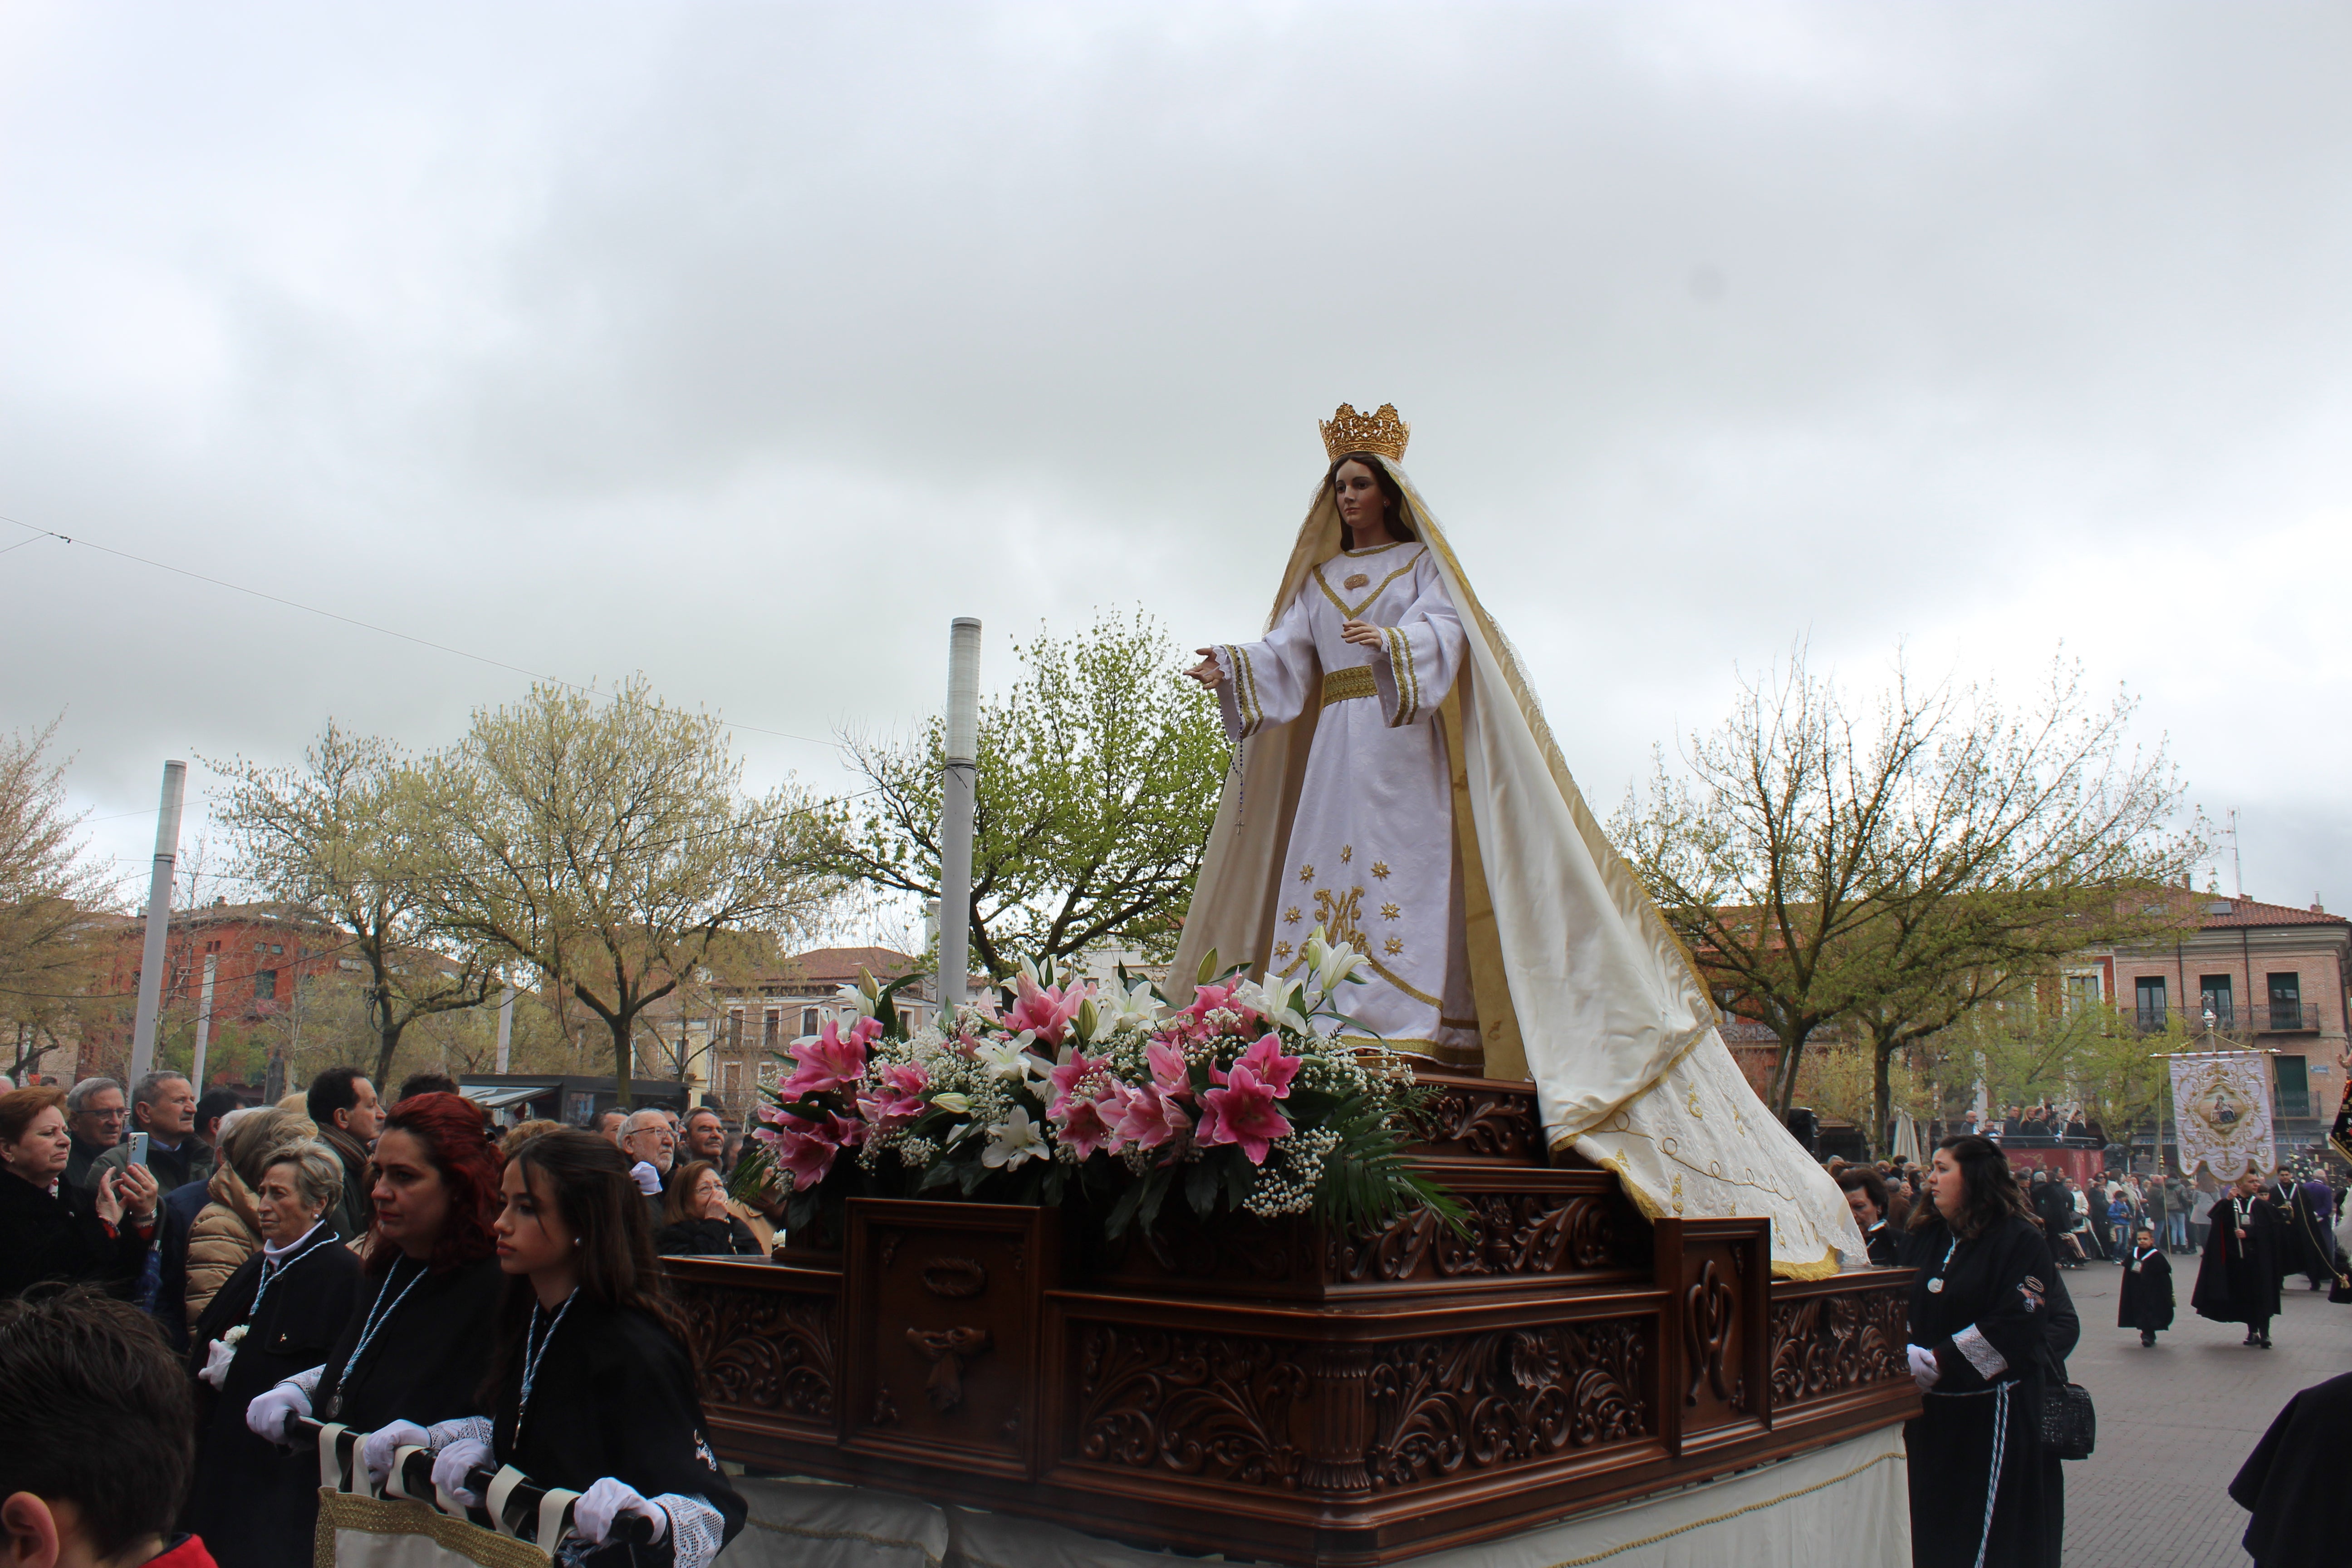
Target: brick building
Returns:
[758, 1018]
[258, 952]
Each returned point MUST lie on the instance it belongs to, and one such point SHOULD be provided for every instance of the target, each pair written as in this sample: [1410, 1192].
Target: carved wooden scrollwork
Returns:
[1199, 1404]
[1491, 1124]
[957, 1279]
[762, 1350]
[1508, 1235]
[1824, 1345]
[1506, 1397]
[1710, 1308]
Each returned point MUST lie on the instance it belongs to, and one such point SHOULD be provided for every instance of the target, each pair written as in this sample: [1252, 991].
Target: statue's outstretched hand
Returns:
[1363, 634]
[1207, 672]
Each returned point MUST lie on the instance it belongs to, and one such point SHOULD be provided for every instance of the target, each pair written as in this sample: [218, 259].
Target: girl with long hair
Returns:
[591, 1386]
[1986, 1315]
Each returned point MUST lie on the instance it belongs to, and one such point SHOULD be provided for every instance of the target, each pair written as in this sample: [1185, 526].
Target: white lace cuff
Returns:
[441, 1434]
[307, 1381]
[696, 1529]
[1989, 1362]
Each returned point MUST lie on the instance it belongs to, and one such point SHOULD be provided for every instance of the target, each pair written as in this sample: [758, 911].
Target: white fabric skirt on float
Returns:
[1846, 1506]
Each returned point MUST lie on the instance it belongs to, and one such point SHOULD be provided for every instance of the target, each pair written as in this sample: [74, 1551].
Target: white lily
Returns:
[855, 1000]
[959, 1103]
[1116, 1009]
[1015, 1140]
[1333, 962]
[1276, 1002]
[1008, 1058]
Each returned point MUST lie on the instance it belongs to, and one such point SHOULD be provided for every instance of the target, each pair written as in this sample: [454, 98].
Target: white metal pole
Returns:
[506, 1026]
[204, 1021]
[157, 950]
[957, 789]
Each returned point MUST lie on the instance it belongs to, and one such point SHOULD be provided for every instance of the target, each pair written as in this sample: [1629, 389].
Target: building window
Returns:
[735, 1030]
[2082, 990]
[2219, 997]
[2286, 1001]
[2294, 1085]
[2150, 990]
[278, 947]
[731, 1077]
[773, 1022]
[264, 985]
[810, 1023]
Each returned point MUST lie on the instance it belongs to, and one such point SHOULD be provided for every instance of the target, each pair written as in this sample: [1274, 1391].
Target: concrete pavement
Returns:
[2176, 1422]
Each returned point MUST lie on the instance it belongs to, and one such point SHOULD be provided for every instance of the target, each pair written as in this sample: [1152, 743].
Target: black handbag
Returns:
[2070, 1426]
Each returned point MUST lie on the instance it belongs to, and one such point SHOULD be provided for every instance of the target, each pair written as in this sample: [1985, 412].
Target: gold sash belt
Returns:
[1339, 685]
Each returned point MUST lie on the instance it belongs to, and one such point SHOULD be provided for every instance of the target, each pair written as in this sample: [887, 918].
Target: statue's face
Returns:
[1361, 505]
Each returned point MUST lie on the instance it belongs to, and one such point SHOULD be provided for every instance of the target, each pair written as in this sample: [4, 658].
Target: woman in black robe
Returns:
[2146, 1301]
[2238, 1280]
[418, 1334]
[592, 1388]
[275, 1316]
[1981, 1486]
[2294, 1483]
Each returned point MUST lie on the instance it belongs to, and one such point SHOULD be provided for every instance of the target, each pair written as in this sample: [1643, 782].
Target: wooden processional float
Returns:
[1272, 1389]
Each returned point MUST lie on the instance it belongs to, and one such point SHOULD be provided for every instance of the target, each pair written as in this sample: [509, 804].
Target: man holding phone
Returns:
[163, 1134]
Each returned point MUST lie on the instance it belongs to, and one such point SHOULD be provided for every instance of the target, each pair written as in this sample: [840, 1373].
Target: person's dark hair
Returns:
[677, 1197]
[426, 1083]
[17, 1108]
[709, 1110]
[1392, 492]
[332, 1090]
[1993, 1195]
[1873, 1186]
[149, 1089]
[449, 1126]
[215, 1104]
[596, 1119]
[105, 1421]
[589, 1179]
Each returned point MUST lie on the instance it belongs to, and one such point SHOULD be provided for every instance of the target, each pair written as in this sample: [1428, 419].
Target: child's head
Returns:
[95, 1465]
[2145, 1236]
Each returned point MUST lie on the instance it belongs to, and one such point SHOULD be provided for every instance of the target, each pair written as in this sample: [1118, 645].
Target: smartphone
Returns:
[139, 1149]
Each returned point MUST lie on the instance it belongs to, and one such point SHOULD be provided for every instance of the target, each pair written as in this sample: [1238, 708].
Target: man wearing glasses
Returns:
[95, 1111]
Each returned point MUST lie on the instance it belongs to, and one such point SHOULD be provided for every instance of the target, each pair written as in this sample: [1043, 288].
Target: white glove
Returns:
[266, 1416]
[217, 1361]
[376, 1452]
[450, 1465]
[648, 1179]
[1925, 1369]
[603, 1505]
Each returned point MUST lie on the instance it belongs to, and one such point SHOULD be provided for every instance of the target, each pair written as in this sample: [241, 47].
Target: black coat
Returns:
[2308, 1246]
[2237, 1281]
[241, 1501]
[427, 1359]
[701, 1238]
[2146, 1301]
[44, 1236]
[2294, 1483]
[1882, 1242]
[1995, 1301]
[614, 1395]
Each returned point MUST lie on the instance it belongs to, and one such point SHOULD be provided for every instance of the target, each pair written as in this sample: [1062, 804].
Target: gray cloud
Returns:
[746, 345]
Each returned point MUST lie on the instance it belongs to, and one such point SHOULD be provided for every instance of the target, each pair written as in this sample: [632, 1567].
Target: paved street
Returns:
[2176, 1422]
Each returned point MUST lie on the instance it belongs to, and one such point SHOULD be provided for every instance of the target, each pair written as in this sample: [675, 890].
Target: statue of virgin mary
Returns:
[1396, 785]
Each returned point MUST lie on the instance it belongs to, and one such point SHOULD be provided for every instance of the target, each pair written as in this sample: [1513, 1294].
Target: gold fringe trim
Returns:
[382, 1515]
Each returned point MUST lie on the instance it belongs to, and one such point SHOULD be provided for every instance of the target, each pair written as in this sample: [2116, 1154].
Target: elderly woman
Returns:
[228, 1230]
[279, 1313]
[696, 1220]
[51, 1229]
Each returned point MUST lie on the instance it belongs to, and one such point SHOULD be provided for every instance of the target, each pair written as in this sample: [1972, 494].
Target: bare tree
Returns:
[49, 891]
[1899, 867]
[609, 845]
[344, 835]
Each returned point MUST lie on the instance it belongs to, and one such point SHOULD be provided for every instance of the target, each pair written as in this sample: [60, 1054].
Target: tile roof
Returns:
[2215, 911]
[840, 965]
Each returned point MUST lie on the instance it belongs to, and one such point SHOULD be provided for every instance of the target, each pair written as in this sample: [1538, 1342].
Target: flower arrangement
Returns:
[1105, 1094]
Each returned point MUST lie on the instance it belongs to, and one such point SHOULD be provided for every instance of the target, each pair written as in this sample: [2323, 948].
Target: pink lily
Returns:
[1067, 1076]
[1147, 1118]
[1083, 1127]
[801, 1148]
[1241, 1113]
[832, 1060]
[1169, 1076]
[1045, 1010]
[1273, 1068]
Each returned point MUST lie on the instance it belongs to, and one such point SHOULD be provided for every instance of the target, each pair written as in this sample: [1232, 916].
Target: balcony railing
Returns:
[2284, 1018]
[2277, 1019]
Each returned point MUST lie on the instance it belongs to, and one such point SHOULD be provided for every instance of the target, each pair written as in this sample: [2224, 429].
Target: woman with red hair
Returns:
[420, 1340]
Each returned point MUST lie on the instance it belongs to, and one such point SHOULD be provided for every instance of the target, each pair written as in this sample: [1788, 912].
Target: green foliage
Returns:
[1098, 778]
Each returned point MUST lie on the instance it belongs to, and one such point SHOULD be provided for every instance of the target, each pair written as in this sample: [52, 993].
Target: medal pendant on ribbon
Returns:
[1936, 1285]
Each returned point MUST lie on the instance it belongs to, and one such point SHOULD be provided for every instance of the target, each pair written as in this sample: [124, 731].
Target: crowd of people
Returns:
[400, 1269]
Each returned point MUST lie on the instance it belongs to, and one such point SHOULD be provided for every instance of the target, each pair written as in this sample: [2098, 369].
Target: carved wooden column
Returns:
[1338, 1413]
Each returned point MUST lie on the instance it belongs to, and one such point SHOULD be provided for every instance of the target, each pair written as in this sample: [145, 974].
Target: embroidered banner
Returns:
[2223, 1103]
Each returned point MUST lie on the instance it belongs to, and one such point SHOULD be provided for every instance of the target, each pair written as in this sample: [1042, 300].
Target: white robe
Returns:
[1372, 858]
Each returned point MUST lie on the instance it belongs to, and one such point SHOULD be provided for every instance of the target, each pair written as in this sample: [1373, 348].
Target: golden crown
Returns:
[1382, 434]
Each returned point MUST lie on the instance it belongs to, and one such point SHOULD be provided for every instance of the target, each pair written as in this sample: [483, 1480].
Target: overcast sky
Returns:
[745, 345]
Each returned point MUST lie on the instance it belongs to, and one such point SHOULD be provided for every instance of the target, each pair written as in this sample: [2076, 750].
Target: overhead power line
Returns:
[89, 543]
